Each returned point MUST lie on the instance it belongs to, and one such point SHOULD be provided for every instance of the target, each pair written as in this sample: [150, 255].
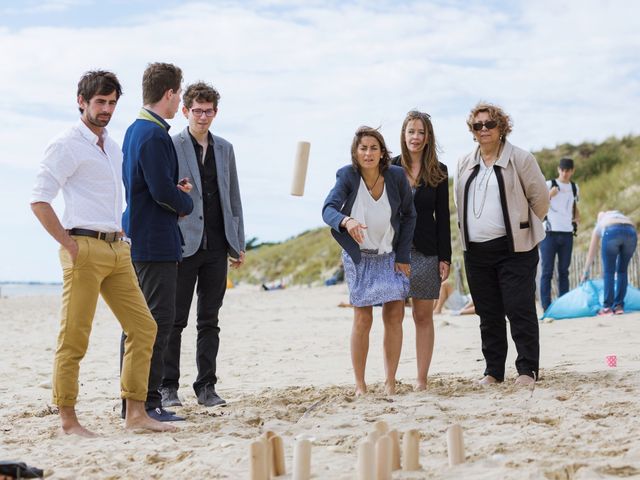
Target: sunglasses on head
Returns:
[490, 124]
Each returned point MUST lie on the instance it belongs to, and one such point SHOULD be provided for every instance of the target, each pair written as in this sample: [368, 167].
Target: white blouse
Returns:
[376, 215]
[485, 219]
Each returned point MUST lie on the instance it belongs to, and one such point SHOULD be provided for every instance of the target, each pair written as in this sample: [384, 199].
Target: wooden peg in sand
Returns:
[300, 168]
[383, 458]
[382, 427]
[257, 461]
[411, 451]
[366, 461]
[395, 450]
[373, 436]
[277, 463]
[302, 460]
[268, 452]
[455, 445]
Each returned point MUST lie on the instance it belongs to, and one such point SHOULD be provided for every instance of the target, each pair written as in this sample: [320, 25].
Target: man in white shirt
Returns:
[560, 223]
[86, 164]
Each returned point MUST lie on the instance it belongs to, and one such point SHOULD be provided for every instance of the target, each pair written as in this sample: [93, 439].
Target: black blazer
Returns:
[340, 201]
[432, 235]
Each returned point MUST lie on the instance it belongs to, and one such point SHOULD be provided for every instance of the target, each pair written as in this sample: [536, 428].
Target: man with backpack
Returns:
[561, 225]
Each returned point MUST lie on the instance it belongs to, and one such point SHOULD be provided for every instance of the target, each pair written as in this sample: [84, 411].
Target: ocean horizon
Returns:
[29, 289]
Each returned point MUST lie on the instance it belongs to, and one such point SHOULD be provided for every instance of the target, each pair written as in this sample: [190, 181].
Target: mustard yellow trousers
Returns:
[101, 268]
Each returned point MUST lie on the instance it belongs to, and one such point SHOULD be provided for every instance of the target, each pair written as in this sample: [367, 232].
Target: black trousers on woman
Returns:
[502, 284]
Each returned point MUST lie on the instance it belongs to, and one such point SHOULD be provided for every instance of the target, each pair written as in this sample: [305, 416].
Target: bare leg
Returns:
[446, 289]
[362, 320]
[70, 424]
[425, 335]
[392, 315]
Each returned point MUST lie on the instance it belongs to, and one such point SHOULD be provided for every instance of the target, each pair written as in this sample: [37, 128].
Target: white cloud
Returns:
[288, 71]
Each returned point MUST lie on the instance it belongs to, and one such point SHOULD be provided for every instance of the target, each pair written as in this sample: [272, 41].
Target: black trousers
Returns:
[158, 284]
[503, 283]
[207, 269]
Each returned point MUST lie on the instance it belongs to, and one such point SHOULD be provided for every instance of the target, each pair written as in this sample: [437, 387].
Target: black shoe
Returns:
[170, 397]
[162, 415]
[209, 398]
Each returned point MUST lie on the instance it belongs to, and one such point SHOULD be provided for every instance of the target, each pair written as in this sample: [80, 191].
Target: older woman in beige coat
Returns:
[502, 198]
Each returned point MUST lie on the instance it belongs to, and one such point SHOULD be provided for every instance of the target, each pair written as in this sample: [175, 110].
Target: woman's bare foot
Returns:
[524, 380]
[488, 380]
[147, 423]
[421, 386]
[390, 387]
[361, 389]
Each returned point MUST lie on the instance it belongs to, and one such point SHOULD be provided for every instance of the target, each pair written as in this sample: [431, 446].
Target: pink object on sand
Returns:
[612, 360]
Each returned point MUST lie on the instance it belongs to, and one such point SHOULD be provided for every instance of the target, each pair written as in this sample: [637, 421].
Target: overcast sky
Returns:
[566, 71]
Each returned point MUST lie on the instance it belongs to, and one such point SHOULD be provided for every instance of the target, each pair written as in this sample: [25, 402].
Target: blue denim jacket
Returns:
[339, 203]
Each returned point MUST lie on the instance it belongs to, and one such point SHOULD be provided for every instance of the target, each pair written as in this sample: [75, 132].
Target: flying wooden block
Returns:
[300, 168]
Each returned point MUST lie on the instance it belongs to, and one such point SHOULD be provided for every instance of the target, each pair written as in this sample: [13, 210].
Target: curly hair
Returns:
[365, 131]
[200, 92]
[430, 172]
[496, 113]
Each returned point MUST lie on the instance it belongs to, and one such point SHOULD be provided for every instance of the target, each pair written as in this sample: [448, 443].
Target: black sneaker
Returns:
[170, 397]
[209, 398]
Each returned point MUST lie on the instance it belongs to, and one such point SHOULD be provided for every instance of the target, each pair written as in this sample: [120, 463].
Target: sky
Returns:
[288, 71]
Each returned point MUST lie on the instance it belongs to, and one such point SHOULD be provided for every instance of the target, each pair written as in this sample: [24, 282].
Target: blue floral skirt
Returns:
[374, 280]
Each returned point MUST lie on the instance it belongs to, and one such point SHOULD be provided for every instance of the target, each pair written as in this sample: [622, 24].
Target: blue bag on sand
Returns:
[586, 299]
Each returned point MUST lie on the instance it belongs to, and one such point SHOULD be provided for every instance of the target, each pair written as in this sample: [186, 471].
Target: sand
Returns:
[284, 365]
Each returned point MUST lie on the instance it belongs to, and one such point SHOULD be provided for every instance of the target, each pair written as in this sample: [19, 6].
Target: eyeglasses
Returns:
[198, 112]
[490, 125]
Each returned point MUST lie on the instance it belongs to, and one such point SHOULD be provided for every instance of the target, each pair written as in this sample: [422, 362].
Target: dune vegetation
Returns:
[608, 174]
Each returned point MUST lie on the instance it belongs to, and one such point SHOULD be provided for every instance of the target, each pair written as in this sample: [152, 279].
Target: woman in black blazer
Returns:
[431, 248]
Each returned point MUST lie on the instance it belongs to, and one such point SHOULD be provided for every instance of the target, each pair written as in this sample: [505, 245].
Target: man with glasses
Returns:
[212, 233]
[86, 164]
[155, 201]
[560, 225]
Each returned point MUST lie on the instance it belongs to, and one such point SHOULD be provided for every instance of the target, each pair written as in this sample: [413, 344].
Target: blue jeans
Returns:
[560, 244]
[618, 244]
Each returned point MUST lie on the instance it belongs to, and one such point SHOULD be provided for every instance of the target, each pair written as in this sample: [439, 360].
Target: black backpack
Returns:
[574, 189]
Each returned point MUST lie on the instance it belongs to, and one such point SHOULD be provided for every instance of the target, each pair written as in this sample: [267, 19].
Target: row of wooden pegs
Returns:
[378, 454]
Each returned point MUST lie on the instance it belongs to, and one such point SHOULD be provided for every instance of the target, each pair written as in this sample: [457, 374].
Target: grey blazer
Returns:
[192, 226]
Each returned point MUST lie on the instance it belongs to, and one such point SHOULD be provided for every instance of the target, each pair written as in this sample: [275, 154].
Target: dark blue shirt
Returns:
[154, 202]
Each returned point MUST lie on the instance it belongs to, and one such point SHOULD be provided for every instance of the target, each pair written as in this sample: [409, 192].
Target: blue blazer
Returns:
[340, 201]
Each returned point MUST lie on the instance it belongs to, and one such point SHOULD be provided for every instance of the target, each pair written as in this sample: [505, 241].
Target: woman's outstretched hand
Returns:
[355, 229]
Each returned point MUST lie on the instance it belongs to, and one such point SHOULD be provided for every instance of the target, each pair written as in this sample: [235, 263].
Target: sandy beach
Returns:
[284, 365]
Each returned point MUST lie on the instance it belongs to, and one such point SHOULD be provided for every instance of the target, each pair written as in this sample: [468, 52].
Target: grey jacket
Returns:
[524, 195]
[192, 226]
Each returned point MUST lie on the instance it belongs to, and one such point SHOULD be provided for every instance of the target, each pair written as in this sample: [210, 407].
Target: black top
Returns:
[432, 235]
[213, 237]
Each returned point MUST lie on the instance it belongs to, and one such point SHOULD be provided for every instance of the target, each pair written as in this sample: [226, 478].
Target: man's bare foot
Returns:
[70, 424]
[488, 380]
[421, 386]
[147, 423]
[77, 430]
[390, 387]
[524, 380]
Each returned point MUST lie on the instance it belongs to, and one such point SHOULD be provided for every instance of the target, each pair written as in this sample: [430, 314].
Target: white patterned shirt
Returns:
[90, 179]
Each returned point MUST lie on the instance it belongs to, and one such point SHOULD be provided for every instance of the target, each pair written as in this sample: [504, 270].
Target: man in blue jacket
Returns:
[155, 201]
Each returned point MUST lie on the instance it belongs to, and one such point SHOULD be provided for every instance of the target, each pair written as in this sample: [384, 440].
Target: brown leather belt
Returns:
[106, 236]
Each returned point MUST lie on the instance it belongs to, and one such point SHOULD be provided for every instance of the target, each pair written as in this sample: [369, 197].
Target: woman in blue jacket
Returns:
[370, 210]
[431, 249]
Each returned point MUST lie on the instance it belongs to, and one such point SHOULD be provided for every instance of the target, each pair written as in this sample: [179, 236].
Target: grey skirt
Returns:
[425, 276]
[374, 280]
